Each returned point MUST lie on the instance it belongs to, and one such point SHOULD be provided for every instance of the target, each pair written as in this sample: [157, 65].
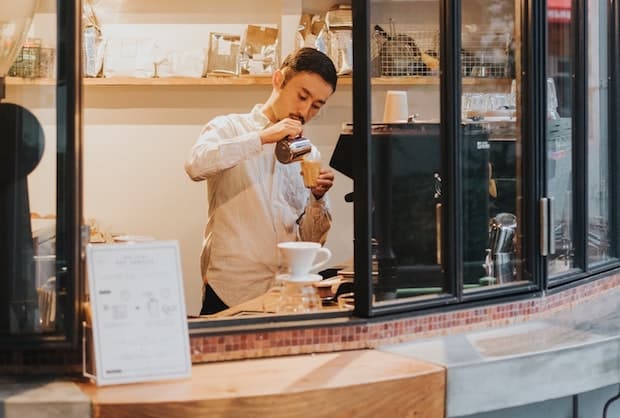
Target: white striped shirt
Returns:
[254, 203]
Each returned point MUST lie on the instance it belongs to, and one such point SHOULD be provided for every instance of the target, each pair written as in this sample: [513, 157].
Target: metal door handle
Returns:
[438, 231]
[543, 207]
[551, 227]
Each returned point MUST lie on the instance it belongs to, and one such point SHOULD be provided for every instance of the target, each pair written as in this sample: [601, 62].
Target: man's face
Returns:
[301, 97]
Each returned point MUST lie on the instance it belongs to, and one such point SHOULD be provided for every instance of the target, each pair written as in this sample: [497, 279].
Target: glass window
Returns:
[598, 245]
[491, 145]
[405, 150]
[561, 29]
[28, 183]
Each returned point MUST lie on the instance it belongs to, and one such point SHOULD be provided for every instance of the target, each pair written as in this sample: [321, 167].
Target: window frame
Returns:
[69, 255]
[580, 148]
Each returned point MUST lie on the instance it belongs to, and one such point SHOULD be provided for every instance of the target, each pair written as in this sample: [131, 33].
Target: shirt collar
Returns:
[261, 120]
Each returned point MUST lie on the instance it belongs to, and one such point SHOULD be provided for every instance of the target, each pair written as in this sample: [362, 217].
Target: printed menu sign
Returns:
[138, 312]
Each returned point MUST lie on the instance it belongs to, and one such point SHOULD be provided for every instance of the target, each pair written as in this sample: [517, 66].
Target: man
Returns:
[255, 202]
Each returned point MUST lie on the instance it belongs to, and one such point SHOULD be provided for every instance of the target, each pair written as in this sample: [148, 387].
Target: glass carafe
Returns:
[298, 297]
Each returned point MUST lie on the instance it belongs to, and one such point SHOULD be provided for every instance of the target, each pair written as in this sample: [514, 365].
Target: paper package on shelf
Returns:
[339, 17]
[334, 40]
[308, 30]
[259, 46]
[223, 54]
[129, 57]
[341, 51]
[93, 43]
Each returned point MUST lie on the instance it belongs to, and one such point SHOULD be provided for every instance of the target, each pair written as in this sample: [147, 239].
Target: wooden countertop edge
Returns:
[361, 383]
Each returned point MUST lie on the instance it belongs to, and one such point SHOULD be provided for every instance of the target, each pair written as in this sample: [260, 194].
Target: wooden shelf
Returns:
[180, 81]
[247, 81]
[429, 81]
[19, 81]
[161, 81]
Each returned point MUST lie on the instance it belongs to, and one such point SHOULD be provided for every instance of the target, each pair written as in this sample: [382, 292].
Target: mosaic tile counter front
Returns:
[208, 348]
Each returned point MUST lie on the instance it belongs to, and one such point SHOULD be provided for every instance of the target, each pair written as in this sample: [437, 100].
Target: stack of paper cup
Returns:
[396, 109]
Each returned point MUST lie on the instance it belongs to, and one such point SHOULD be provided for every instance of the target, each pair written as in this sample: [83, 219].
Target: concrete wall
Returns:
[588, 405]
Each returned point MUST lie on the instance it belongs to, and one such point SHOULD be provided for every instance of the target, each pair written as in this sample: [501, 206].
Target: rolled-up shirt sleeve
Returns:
[315, 222]
[219, 148]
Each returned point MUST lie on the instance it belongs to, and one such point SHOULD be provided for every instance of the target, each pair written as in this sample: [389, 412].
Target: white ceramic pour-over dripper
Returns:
[300, 256]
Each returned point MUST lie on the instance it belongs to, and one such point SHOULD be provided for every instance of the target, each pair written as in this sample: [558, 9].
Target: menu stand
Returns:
[138, 327]
[88, 356]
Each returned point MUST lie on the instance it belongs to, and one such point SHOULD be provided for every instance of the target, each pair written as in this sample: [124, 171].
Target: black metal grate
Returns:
[416, 53]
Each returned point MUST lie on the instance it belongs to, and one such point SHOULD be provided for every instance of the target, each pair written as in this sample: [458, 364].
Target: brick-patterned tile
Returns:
[291, 342]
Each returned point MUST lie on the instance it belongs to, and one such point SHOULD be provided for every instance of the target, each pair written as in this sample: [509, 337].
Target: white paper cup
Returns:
[396, 108]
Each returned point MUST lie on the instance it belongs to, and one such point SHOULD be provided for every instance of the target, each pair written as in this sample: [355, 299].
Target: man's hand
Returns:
[324, 182]
[286, 128]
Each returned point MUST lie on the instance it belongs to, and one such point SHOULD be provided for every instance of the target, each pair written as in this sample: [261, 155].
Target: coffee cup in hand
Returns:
[310, 170]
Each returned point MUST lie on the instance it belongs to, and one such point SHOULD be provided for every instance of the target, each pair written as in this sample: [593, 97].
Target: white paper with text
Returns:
[138, 312]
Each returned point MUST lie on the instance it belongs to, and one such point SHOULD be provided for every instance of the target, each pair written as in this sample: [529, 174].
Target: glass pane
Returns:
[598, 135]
[559, 138]
[406, 150]
[28, 175]
[492, 234]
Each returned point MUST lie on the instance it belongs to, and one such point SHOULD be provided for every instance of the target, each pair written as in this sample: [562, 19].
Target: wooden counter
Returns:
[364, 383]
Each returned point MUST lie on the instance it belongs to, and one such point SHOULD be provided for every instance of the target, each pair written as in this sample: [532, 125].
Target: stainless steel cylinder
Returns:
[502, 231]
[290, 150]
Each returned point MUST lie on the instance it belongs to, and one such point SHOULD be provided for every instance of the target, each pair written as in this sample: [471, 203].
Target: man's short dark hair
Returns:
[310, 60]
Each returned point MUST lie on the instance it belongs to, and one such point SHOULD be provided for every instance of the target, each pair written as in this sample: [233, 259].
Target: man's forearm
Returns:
[315, 222]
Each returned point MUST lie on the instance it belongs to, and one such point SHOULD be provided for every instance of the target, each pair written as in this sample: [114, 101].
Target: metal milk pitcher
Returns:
[290, 150]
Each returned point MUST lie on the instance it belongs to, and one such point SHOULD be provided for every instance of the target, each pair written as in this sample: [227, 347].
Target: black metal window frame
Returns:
[530, 128]
[533, 82]
[451, 161]
[69, 254]
[69, 287]
[533, 134]
[580, 74]
[533, 130]
[613, 8]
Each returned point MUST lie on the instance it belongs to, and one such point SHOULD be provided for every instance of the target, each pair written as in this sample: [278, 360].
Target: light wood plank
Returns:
[364, 383]
[19, 81]
[247, 81]
[180, 81]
